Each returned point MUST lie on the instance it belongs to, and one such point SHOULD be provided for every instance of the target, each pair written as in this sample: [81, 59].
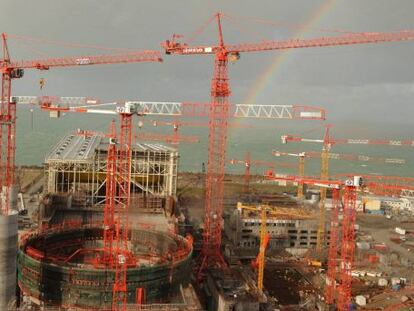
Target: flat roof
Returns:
[81, 148]
[74, 147]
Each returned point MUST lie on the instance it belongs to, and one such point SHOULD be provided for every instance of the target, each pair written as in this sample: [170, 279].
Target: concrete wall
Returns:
[8, 250]
[82, 285]
[245, 232]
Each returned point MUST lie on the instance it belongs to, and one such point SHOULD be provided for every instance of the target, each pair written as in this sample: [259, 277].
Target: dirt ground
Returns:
[381, 230]
[283, 283]
[26, 176]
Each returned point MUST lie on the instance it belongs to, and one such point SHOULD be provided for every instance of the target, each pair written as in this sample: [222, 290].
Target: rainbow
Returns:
[266, 76]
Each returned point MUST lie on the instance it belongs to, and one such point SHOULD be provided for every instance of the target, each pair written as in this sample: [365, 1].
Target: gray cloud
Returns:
[356, 82]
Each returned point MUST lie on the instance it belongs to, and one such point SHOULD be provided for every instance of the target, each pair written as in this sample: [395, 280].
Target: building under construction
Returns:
[243, 229]
[289, 227]
[59, 265]
[77, 165]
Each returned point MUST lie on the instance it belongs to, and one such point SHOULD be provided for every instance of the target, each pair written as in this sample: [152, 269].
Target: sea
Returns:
[37, 133]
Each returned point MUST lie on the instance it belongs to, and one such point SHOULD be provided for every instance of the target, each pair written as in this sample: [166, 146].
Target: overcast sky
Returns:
[372, 83]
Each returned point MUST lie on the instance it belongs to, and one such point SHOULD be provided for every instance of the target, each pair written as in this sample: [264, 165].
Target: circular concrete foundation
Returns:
[61, 267]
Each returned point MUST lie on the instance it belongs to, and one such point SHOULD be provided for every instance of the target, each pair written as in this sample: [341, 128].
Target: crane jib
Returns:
[82, 61]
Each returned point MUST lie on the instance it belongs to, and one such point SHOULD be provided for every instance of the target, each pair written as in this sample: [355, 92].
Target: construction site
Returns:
[111, 220]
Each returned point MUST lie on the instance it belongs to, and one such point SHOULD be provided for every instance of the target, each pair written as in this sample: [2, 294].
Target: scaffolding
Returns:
[77, 165]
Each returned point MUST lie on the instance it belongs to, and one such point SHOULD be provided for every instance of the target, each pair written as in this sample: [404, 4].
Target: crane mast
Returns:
[320, 238]
[348, 247]
[333, 249]
[7, 132]
[247, 164]
[123, 256]
[218, 118]
[301, 173]
[110, 198]
[264, 240]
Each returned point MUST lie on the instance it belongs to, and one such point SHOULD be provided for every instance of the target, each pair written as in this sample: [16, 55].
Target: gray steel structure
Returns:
[77, 165]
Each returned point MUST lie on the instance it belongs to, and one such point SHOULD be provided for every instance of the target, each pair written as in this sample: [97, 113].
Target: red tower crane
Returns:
[123, 170]
[118, 180]
[325, 155]
[115, 230]
[14, 70]
[219, 113]
[248, 162]
[349, 188]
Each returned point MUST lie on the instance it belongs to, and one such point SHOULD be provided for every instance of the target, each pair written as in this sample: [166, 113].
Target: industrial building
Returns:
[382, 203]
[244, 231]
[77, 165]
